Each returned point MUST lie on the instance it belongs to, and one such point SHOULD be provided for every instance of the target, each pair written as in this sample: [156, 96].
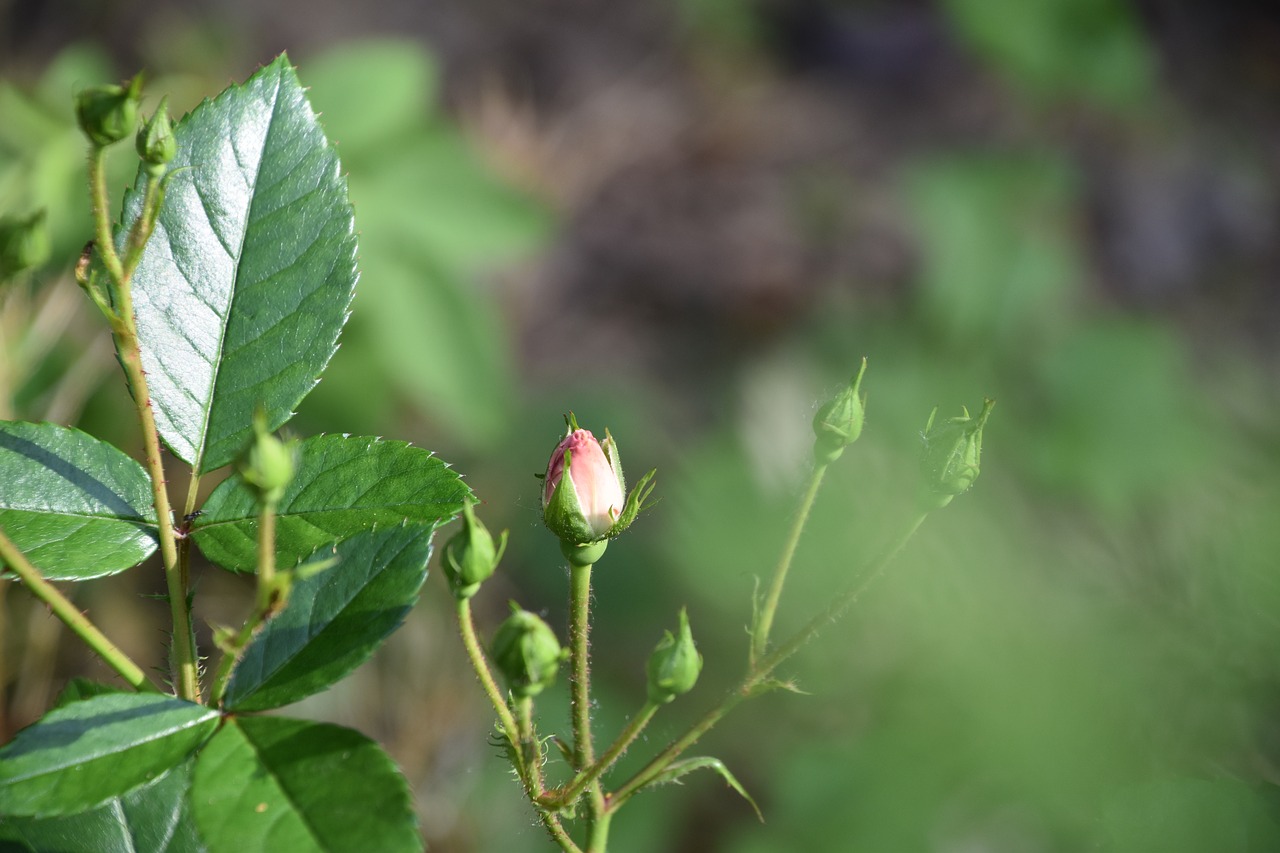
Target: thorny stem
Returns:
[764, 619]
[757, 676]
[185, 676]
[79, 624]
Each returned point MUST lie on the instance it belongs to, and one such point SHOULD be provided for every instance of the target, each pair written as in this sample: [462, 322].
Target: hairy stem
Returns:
[757, 676]
[467, 629]
[625, 738]
[71, 616]
[764, 618]
[185, 674]
[580, 691]
[266, 555]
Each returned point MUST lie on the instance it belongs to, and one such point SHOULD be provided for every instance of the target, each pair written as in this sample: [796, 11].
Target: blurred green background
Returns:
[687, 220]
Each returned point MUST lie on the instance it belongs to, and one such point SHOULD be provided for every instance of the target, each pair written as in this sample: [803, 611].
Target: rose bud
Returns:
[584, 497]
[268, 463]
[469, 557]
[155, 141]
[525, 650]
[952, 455]
[108, 114]
[839, 422]
[675, 664]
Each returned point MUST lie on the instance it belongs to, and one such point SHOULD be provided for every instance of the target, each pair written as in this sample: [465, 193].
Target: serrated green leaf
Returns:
[688, 765]
[268, 784]
[155, 818]
[77, 757]
[342, 485]
[334, 619]
[248, 278]
[76, 506]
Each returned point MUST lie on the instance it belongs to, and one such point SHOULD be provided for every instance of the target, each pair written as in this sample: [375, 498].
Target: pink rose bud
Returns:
[590, 504]
[597, 486]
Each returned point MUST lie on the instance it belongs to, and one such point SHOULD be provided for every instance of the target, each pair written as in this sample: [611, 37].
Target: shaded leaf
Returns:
[248, 278]
[155, 818]
[267, 784]
[76, 506]
[80, 688]
[342, 485]
[77, 757]
[334, 620]
[688, 765]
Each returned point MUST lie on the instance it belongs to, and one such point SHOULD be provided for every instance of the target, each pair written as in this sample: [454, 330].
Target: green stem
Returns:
[756, 677]
[266, 555]
[619, 746]
[598, 835]
[72, 617]
[580, 692]
[764, 619]
[102, 213]
[185, 674]
[140, 233]
[467, 628]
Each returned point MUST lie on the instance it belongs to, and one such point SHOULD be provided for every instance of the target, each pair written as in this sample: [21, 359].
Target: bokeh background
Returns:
[687, 220]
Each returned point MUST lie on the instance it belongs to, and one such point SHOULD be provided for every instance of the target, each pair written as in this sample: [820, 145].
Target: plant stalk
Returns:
[758, 674]
[71, 616]
[185, 674]
[467, 629]
[619, 746]
[580, 696]
[764, 619]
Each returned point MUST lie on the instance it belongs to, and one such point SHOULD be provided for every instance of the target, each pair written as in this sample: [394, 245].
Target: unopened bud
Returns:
[675, 664]
[839, 422]
[952, 455]
[24, 243]
[526, 652]
[108, 114]
[155, 141]
[268, 464]
[584, 495]
[470, 557]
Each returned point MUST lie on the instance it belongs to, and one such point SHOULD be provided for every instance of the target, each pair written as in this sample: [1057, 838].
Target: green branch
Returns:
[71, 616]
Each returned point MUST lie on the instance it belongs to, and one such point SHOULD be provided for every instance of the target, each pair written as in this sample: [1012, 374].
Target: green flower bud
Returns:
[525, 650]
[268, 464]
[108, 114]
[839, 422]
[155, 141]
[24, 243]
[674, 666]
[469, 557]
[952, 455]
